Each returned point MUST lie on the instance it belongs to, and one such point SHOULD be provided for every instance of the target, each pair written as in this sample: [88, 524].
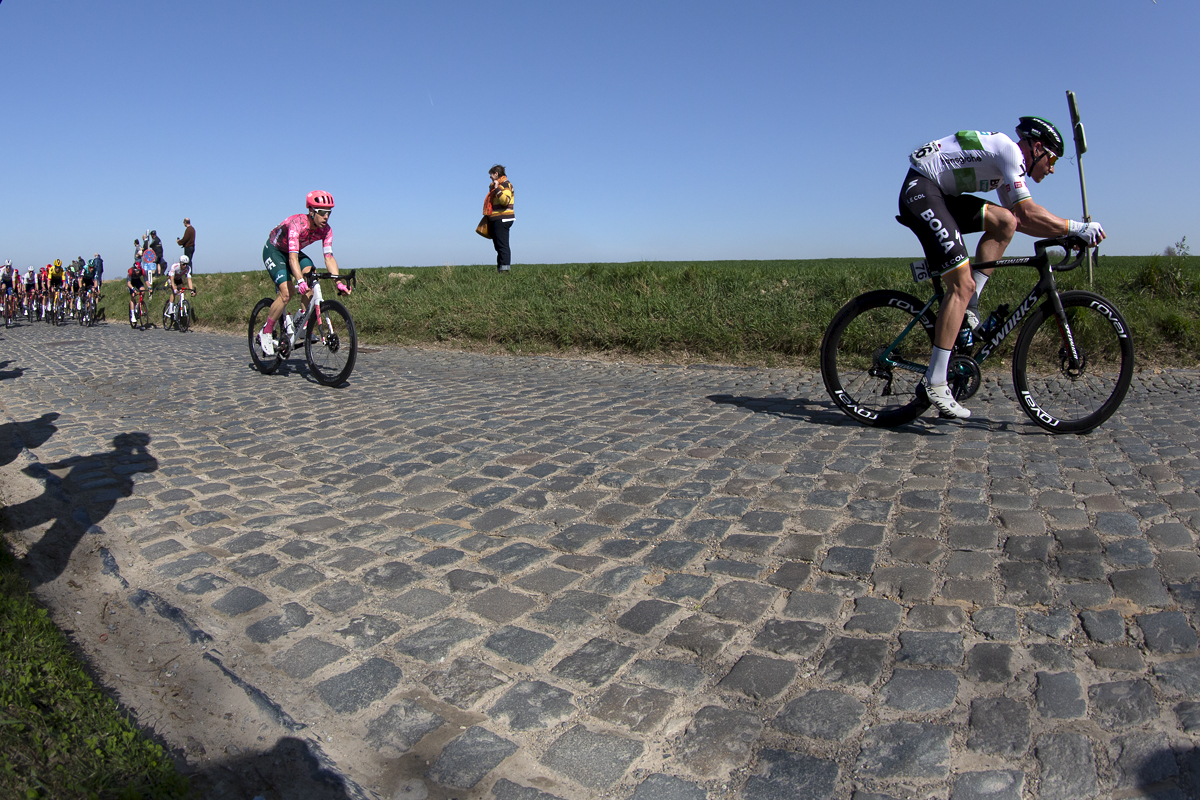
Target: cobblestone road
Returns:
[551, 578]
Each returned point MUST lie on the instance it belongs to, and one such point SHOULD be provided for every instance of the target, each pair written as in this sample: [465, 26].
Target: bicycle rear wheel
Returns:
[258, 317]
[331, 347]
[1073, 398]
[875, 385]
[184, 321]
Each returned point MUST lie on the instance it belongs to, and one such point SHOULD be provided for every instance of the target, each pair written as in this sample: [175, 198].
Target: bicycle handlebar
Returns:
[1067, 243]
[345, 277]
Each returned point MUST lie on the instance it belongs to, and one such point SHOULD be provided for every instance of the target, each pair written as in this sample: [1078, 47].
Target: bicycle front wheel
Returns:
[870, 366]
[1065, 395]
[258, 317]
[331, 346]
[185, 315]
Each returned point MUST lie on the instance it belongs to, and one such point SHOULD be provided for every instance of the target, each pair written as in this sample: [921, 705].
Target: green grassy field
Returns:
[764, 313]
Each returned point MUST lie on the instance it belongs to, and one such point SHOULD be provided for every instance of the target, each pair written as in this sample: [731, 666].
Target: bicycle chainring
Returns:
[964, 377]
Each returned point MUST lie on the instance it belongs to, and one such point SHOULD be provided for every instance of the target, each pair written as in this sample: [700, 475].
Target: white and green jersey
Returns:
[975, 161]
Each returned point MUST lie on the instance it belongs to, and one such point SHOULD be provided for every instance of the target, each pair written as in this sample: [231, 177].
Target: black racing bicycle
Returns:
[1071, 366]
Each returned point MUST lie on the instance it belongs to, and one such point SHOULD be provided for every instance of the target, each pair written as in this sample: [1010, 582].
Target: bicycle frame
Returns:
[314, 304]
[1046, 286]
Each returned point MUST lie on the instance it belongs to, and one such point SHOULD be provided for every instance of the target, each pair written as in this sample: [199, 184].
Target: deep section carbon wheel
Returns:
[870, 366]
[1071, 379]
[331, 345]
[264, 363]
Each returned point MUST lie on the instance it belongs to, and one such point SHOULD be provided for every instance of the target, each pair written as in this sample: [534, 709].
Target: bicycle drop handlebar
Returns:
[1069, 243]
[345, 277]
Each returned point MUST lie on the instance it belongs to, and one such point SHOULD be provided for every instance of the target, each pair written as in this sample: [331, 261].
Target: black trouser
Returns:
[189, 252]
[499, 230]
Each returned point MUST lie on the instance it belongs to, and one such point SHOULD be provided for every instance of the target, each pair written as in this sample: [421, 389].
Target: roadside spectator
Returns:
[160, 265]
[188, 241]
[97, 265]
[500, 209]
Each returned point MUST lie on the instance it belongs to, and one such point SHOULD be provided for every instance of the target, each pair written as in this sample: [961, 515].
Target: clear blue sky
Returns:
[631, 130]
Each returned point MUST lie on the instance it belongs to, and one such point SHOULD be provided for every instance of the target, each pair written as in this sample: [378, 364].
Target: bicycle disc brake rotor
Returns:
[964, 377]
[1064, 364]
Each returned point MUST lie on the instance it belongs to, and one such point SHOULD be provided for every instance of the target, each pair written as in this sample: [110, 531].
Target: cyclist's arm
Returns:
[331, 264]
[1035, 220]
[294, 266]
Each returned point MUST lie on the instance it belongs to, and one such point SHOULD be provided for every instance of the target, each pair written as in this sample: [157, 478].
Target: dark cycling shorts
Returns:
[56, 283]
[276, 263]
[939, 220]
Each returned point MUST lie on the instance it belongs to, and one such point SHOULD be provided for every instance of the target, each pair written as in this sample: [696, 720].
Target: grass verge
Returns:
[761, 313]
[60, 736]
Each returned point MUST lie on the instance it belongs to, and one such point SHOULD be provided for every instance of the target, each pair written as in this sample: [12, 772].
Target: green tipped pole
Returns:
[1080, 149]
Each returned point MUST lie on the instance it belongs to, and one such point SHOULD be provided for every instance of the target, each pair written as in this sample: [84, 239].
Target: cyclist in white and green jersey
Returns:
[935, 203]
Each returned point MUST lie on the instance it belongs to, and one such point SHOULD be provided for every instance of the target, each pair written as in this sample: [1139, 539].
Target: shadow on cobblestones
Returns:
[94, 482]
[287, 770]
[10, 373]
[819, 413]
[34, 433]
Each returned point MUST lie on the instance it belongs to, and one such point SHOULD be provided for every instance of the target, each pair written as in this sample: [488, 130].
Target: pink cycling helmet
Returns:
[319, 199]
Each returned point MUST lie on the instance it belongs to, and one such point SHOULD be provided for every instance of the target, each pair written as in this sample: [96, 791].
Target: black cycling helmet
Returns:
[1037, 129]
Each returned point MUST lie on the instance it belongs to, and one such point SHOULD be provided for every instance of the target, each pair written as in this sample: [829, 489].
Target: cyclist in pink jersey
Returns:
[287, 265]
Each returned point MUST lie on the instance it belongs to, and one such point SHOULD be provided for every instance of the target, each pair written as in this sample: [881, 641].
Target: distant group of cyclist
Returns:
[54, 293]
[149, 263]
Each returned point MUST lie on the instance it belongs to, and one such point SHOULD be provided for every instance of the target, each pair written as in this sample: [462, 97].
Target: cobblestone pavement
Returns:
[489, 576]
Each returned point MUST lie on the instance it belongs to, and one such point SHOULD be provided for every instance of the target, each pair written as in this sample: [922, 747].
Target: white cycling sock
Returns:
[980, 281]
[939, 363]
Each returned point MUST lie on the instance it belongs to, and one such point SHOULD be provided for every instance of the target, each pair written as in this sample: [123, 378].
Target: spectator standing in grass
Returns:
[500, 209]
[188, 241]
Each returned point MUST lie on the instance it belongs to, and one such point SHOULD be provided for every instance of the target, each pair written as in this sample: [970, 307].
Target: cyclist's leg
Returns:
[276, 264]
[999, 225]
[939, 223]
[932, 217]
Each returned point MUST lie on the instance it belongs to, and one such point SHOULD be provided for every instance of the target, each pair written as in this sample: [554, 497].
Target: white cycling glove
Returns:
[1090, 232]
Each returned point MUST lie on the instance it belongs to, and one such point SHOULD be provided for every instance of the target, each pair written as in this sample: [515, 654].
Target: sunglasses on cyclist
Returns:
[322, 212]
